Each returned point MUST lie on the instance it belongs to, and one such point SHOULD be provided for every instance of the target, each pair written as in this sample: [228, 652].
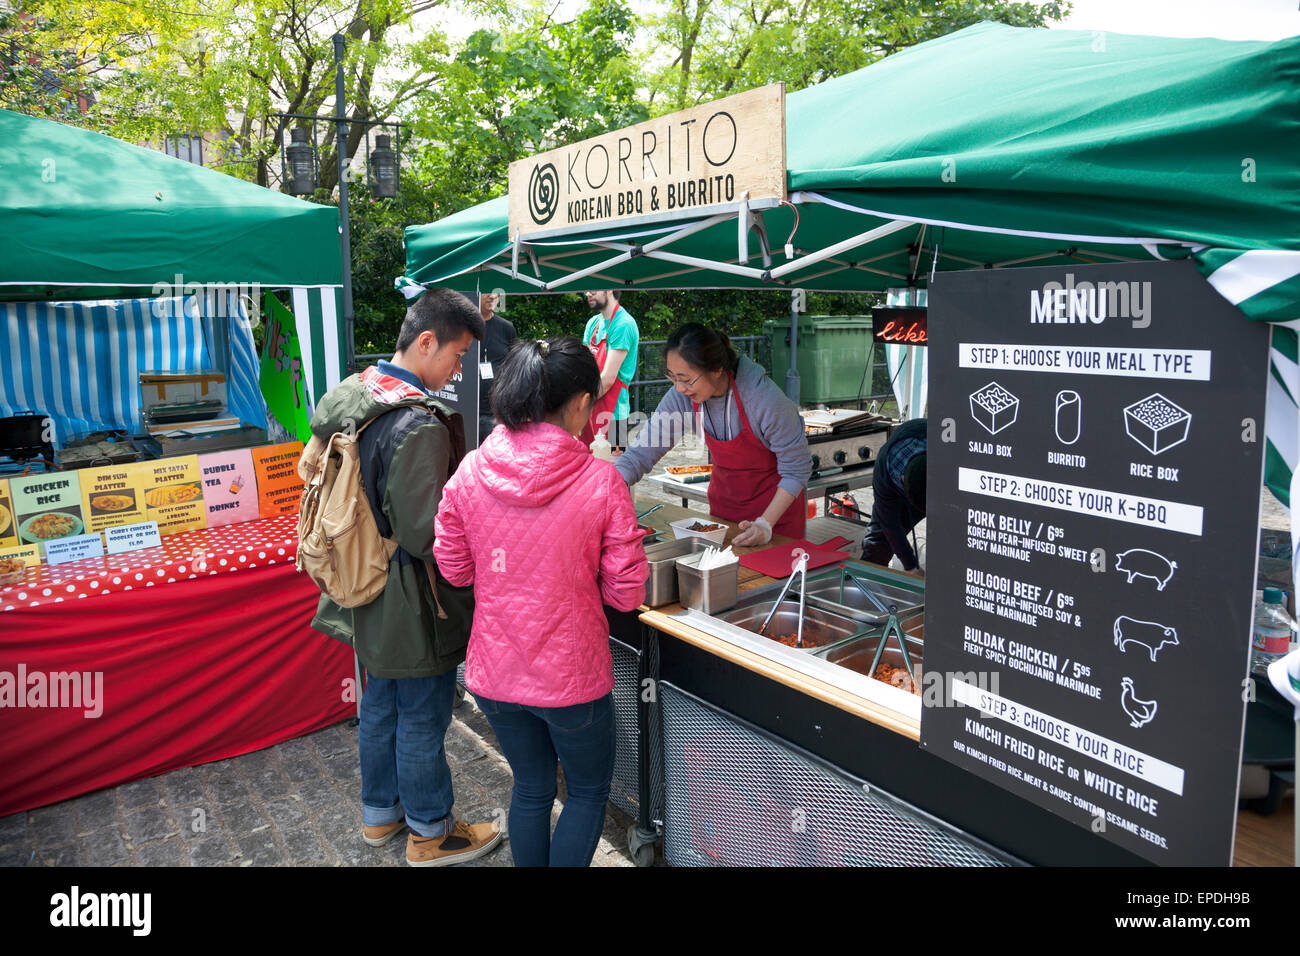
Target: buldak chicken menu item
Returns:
[1096, 441]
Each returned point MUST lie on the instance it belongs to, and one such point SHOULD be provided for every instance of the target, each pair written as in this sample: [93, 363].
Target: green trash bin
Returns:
[836, 356]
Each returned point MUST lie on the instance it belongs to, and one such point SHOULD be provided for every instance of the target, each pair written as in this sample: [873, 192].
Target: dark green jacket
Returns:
[405, 456]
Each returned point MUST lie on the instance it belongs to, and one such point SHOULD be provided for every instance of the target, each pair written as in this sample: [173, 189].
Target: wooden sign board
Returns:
[681, 165]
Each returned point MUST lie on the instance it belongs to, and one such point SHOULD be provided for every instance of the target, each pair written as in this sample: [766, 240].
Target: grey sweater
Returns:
[773, 417]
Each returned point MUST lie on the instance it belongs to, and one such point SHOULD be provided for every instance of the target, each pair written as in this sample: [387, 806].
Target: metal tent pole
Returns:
[792, 385]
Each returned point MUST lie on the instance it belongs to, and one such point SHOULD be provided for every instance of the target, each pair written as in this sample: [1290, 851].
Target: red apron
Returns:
[607, 404]
[745, 478]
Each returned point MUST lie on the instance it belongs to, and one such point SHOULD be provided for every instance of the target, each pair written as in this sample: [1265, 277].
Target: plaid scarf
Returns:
[387, 388]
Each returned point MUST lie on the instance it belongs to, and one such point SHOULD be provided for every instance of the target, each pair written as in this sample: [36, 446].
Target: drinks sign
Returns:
[229, 487]
[681, 165]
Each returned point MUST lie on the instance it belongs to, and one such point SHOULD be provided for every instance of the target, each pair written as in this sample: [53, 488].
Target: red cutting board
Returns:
[778, 561]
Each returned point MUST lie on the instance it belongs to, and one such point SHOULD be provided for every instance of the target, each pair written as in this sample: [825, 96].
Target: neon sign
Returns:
[900, 326]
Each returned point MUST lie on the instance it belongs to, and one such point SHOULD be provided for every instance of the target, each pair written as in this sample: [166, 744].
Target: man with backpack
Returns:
[403, 445]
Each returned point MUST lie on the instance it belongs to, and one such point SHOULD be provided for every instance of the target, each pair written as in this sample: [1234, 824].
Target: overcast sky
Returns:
[1226, 19]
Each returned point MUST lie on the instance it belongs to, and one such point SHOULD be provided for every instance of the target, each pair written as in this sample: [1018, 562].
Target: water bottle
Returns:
[1274, 628]
[601, 448]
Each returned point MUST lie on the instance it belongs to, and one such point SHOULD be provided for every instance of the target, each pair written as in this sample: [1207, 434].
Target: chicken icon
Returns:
[1140, 712]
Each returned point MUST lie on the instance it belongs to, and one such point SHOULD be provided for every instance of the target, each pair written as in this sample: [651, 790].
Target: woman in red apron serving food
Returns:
[754, 434]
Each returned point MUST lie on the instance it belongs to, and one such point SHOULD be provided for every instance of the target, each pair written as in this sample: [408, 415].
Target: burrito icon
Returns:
[1069, 416]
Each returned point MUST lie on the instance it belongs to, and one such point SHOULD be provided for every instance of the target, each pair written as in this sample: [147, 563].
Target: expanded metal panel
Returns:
[734, 797]
[624, 791]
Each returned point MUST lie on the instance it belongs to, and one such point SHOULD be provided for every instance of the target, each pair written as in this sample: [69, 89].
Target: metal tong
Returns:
[648, 511]
[801, 572]
[891, 625]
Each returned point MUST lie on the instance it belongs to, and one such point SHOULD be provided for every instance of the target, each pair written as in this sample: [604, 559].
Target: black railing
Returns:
[651, 382]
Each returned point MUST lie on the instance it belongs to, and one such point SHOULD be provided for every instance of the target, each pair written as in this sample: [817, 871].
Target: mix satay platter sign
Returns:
[681, 165]
[1095, 460]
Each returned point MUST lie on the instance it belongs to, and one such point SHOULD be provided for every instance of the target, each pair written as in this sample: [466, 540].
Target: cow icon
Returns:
[1140, 563]
[1146, 634]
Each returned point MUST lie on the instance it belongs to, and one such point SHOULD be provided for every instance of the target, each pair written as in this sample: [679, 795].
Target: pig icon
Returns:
[1140, 563]
[1146, 634]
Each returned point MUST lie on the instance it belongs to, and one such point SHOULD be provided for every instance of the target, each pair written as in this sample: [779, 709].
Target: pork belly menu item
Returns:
[278, 486]
[112, 496]
[229, 486]
[173, 494]
[47, 507]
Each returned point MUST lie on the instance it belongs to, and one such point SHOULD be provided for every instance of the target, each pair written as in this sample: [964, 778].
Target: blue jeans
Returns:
[532, 738]
[403, 764]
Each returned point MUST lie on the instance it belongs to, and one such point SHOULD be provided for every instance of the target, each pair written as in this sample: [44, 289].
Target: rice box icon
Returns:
[994, 407]
[1156, 423]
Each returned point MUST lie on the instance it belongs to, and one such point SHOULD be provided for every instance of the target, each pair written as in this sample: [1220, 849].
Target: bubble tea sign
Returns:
[229, 487]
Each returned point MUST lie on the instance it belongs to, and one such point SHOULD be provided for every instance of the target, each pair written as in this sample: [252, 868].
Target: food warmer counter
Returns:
[751, 751]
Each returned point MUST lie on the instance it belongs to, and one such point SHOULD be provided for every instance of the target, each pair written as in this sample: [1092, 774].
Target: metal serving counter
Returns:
[772, 755]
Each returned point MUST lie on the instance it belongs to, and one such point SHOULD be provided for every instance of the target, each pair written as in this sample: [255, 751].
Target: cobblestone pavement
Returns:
[295, 804]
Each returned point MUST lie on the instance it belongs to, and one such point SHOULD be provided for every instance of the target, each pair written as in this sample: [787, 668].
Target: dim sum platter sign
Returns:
[1095, 457]
[683, 165]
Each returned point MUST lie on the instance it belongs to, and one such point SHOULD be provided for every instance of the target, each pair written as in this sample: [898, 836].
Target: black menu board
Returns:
[461, 393]
[1096, 441]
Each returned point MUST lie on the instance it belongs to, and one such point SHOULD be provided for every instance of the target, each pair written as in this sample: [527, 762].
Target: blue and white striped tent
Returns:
[79, 362]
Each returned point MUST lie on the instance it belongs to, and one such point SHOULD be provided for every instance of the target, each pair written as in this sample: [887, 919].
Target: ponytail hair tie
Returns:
[543, 347]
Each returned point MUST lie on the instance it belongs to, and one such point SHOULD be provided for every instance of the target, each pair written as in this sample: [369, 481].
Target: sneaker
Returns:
[381, 835]
[466, 841]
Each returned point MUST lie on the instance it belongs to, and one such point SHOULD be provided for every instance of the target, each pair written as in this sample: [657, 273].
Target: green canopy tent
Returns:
[85, 216]
[992, 147]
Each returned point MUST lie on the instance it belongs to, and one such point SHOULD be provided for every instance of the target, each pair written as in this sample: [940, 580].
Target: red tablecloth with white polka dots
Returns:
[193, 554]
[179, 661]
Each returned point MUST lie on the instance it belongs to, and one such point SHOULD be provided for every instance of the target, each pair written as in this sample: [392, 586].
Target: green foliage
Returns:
[509, 93]
[704, 49]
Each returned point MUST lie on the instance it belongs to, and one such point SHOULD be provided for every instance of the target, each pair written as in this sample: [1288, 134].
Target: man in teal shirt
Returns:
[612, 334]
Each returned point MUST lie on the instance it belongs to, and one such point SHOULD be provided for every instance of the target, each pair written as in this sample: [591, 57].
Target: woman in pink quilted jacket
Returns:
[546, 533]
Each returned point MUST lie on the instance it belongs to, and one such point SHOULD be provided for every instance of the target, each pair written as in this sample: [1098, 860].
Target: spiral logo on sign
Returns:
[543, 193]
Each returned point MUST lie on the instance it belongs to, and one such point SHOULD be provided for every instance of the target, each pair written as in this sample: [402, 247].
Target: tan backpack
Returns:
[339, 544]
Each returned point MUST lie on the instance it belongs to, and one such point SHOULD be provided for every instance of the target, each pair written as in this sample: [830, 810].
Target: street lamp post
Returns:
[345, 236]
[299, 165]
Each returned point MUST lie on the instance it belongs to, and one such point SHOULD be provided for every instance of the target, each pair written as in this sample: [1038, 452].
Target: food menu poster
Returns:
[173, 494]
[229, 487]
[47, 506]
[8, 527]
[1095, 459]
[279, 488]
[112, 496]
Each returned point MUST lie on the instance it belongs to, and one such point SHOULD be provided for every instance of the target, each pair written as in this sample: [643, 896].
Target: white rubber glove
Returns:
[753, 533]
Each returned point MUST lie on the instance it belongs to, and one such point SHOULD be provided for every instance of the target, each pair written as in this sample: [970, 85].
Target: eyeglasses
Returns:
[683, 383]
